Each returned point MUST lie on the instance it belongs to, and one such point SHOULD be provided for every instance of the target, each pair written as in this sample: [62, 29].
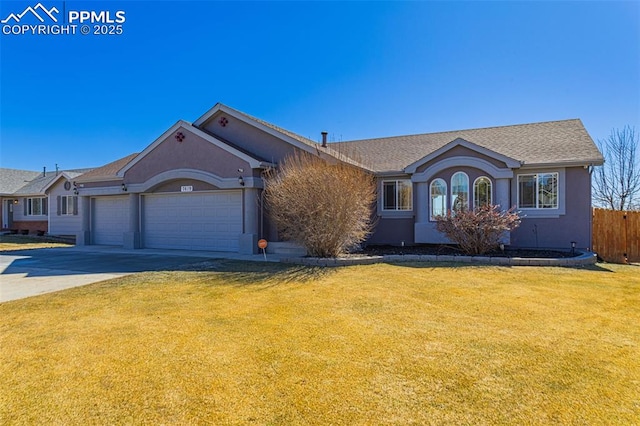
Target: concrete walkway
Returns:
[28, 273]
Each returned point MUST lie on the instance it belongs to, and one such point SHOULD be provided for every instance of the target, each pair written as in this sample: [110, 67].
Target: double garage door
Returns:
[204, 221]
[193, 221]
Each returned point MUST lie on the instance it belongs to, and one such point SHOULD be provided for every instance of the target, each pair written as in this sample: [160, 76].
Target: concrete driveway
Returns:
[32, 272]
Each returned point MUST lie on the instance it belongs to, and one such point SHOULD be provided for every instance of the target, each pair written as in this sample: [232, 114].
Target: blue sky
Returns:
[356, 69]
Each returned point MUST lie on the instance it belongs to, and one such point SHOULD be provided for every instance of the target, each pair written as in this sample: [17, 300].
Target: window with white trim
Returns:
[438, 191]
[35, 206]
[538, 191]
[68, 205]
[482, 192]
[459, 192]
[397, 195]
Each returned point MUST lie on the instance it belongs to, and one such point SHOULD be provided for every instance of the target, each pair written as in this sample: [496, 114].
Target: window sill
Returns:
[541, 213]
[396, 214]
[534, 209]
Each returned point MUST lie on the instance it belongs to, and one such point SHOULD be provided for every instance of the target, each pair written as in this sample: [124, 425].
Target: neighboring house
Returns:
[11, 180]
[40, 201]
[198, 186]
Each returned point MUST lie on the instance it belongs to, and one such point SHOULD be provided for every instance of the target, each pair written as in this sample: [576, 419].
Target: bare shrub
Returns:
[327, 208]
[478, 231]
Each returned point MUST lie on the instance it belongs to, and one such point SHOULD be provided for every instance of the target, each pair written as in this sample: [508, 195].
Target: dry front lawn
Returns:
[278, 345]
[25, 242]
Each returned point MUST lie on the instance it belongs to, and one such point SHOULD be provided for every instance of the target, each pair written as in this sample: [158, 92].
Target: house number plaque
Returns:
[186, 188]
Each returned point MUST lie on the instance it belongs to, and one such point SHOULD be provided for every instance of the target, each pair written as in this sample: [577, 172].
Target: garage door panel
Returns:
[195, 221]
[223, 211]
[110, 218]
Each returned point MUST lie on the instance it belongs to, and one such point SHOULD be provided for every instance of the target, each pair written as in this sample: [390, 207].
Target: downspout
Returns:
[590, 168]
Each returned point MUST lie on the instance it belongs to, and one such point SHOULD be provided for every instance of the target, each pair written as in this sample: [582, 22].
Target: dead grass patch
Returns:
[250, 343]
[25, 242]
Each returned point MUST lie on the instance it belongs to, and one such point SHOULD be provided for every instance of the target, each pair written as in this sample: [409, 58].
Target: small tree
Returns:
[616, 183]
[327, 208]
[478, 231]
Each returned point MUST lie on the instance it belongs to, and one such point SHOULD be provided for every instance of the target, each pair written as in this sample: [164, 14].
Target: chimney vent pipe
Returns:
[324, 139]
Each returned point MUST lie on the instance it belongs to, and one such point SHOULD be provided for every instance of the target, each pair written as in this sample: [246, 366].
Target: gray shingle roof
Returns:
[40, 182]
[108, 171]
[546, 143]
[12, 180]
[550, 142]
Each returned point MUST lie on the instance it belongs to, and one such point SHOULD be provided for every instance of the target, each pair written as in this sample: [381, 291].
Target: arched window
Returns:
[459, 192]
[438, 198]
[482, 192]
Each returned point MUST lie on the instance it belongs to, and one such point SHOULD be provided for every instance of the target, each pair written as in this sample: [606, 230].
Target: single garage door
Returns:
[110, 219]
[194, 221]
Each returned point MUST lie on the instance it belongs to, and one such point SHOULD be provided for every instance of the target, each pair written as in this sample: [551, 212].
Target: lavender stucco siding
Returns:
[101, 184]
[176, 186]
[460, 151]
[261, 144]
[192, 153]
[471, 172]
[393, 231]
[559, 232]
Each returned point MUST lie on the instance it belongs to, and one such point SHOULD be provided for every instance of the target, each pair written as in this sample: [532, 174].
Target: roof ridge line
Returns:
[460, 130]
[275, 126]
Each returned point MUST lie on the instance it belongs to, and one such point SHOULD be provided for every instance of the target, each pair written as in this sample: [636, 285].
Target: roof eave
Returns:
[390, 173]
[29, 194]
[98, 179]
[510, 162]
[565, 163]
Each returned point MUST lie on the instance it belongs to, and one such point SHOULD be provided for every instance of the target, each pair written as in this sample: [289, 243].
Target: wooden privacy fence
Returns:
[616, 235]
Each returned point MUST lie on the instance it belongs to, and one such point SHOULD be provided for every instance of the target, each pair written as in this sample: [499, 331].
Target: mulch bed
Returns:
[445, 250]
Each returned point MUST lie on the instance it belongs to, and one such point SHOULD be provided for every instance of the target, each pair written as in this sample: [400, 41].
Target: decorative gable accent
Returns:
[509, 162]
[183, 128]
[285, 135]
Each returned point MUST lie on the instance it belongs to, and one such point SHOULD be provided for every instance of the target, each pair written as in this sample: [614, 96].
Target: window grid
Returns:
[459, 192]
[482, 192]
[397, 195]
[36, 207]
[538, 191]
[67, 205]
[438, 191]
